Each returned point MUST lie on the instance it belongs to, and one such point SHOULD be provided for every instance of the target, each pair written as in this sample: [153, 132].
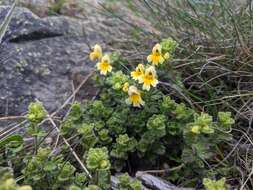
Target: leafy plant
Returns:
[98, 162]
[8, 183]
[132, 123]
[126, 183]
[36, 113]
[215, 185]
[150, 127]
[46, 170]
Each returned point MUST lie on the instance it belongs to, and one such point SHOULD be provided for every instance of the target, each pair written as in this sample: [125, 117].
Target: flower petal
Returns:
[146, 87]
[149, 58]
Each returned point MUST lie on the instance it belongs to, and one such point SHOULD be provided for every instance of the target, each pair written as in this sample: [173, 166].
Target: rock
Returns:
[40, 58]
[40, 7]
[45, 7]
[157, 183]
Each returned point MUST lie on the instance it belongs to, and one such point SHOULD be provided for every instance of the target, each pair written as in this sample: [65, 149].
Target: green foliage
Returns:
[167, 105]
[117, 79]
[150, 133]
[87, 131]
[10, 139]
[156, 129]
[215, 185]
[45, 170]
[117, 120]
[104, 136]
[8, 183]
[207, 49]
[225, 119]
[123, 145]
[98, 162]
[126, 183]
[36, 112]
[181, 112]
[96, 109]
[110, 136]
[76, 111]
[202, 124]
[169, 45]
[98, 158]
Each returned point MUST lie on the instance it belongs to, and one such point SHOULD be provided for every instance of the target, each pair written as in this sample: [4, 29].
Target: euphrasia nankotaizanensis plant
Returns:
[138, 124]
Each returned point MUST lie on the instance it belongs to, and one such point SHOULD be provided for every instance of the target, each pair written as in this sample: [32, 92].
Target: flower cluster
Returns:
[144, 75]
[104, 61]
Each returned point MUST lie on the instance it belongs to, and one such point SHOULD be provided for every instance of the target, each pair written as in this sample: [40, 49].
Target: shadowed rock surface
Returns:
[39, 58]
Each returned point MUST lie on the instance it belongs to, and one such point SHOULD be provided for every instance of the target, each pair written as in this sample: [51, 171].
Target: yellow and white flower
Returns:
[139, 71]
[149, 78]
[125, 87]
[134, 97]
[104, 65]
[96, 53]
[156, 56]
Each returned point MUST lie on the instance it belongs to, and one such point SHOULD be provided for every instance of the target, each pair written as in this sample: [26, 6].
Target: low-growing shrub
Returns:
[132, 125]
[146, 127]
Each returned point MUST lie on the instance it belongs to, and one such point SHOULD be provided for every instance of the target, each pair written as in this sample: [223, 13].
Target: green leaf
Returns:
[12, 138]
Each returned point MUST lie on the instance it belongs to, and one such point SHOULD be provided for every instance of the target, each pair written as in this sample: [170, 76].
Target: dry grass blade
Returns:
[6, 22]
[70, 148]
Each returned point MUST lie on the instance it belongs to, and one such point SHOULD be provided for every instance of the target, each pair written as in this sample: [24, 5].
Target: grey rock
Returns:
[39, 59]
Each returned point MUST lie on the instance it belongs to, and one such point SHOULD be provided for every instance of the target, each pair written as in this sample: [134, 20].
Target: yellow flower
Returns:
[134, 97]
[139, 71]
[149, 78]
[97, 53]
[104, 65]
[156, 56]
[125, 87]
[195, 129]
